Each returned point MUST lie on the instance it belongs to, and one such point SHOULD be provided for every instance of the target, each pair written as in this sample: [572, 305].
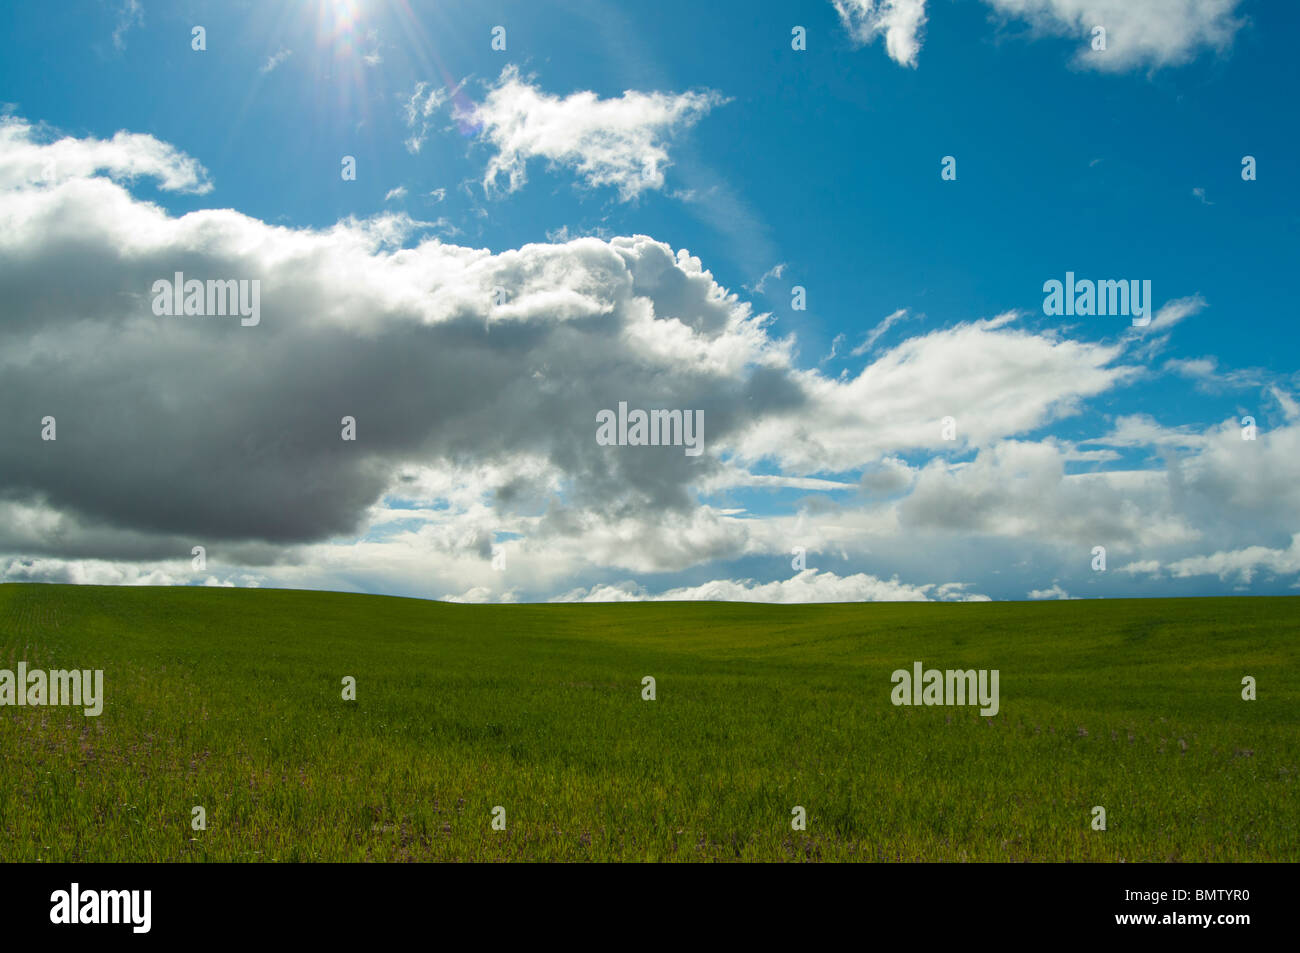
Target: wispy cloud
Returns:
[419, 109]
[835, 349]
[129, 15]
[373, 58]
[774, 272]
[874, 335]
[276, 59]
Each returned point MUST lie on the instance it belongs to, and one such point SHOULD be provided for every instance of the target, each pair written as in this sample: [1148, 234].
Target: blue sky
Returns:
[817, 168]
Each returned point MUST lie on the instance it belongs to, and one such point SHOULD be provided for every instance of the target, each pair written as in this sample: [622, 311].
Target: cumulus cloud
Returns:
[1056, 592]
[408, 341]
[478, 595]
[807, 586]
[95, 572]
[411, 341]
[993, 380]
[1242, 564]
[1213, 485]
[1138, 35]
[900, 22]
[620, 141]
[29, 158]
[1150, 34]
[1020, 489]
[475, 378]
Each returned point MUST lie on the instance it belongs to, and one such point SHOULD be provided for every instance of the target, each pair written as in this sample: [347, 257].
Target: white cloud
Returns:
[98, 572]
[806, 586]
[477, 420]
[480, 595]
[1174, 311]
[1021, 490]
[1139, 33]
[1200, 367]
[875, 333]
[1150, 33]
[276, 59]
[565, 234]
[620, 142]
[1220, 470]
[900, 22]
[445, 226]
[130, 14]
[1142, 567]
[373, 58]
[1242, 564]
[774, 272]
[835, 348]
[26, 159]
[418, 110]
[1056, 592]
[1290, 407]
[397, 193]
[995, 382]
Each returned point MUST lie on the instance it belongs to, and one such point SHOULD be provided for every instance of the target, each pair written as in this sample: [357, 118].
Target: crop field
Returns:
[232, 700]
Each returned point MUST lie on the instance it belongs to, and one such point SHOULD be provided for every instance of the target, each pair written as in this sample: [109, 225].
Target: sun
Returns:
[338, 19]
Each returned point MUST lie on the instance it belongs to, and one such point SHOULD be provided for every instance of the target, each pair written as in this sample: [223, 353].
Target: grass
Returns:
[231, 699]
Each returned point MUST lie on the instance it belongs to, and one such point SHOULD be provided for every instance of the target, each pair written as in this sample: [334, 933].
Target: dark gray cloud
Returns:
[174, 427]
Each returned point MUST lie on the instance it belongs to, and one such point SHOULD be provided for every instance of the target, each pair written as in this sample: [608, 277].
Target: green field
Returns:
[231, 699]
